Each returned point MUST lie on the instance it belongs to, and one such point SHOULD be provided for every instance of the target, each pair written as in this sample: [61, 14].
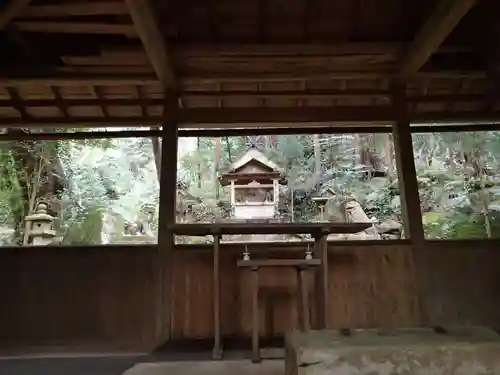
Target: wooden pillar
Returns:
[321, 282]
[409, 195]
[167, 213]
[405, 163]
[217, 349]
[303, 300]
[255, 314]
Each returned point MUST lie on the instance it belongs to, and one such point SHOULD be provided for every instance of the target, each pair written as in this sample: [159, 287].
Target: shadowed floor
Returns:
[67, 366]
[135, 366]
[239, 367]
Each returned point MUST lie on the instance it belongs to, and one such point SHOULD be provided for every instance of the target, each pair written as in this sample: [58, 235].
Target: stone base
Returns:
[419, 351]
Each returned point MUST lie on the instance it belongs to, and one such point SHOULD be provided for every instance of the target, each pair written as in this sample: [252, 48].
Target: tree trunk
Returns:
[199, 161]
[317, 160]
[155, 142]
[216, 168]
[484, 195]
[32, 193]
[228, 147]
[389, 158]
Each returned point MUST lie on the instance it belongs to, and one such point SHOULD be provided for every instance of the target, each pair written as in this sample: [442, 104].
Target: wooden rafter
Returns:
[436, 29]
[147, 28]
[77, 9]
[76, 28]
[61, 104]
[11, 11]
[18, 104]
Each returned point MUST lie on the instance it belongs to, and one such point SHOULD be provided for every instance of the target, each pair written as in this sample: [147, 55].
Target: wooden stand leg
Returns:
[255, 315]
[303, 306]
[321, 281]
[217, 349]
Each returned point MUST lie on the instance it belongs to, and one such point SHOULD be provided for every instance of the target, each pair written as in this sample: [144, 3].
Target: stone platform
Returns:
[419, 351]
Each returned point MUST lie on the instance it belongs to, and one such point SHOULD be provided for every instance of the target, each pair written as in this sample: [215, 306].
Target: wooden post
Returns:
[409, 194]
[303, 300]
[405, 163]
[255, 314]
[167, 211]
[217, 349]
[321, 282]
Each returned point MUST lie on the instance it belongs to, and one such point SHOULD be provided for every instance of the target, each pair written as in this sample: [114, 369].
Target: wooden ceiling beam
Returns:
[75, 9]
[435, 30]
[72, 135]
[230, 77]
[16, 77]
[217, 132]
[316, 49]
[147, 102]
[241, 117]
[11, 11]
[146, 26]
[76, 28]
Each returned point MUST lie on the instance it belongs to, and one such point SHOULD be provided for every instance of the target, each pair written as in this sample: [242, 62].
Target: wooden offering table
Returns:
[301, 266]
[319, 231]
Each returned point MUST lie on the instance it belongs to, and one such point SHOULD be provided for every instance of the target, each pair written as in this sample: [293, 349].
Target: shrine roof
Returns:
[242, 63]
[252, 154]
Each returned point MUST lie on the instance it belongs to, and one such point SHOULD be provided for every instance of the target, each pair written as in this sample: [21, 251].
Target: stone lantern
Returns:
[39, 226]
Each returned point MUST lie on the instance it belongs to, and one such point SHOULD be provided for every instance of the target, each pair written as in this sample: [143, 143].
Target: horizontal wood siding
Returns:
[460, 282]
[111, 297]
[81, 297]
[369, 286]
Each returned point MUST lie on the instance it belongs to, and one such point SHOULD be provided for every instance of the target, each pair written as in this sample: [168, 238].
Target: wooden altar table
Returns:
[319, 231]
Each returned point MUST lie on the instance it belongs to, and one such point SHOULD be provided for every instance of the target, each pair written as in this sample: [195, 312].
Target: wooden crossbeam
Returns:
[11, 11]
[76, 28]
[147, 28]
[304, 129]
[297, 49]
[145, 102]
[76, 9]
[436, 29]
[240, 117]
[17, 77]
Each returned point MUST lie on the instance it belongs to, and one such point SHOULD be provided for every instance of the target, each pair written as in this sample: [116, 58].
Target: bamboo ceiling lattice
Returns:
[226, 62]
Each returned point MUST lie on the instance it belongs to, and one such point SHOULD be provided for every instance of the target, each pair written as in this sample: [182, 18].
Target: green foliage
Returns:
[78, 179]
[297, 156]
[10, 190]
[458, 177]
[85, 228]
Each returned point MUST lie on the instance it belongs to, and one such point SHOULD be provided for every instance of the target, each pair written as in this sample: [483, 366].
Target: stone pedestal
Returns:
[419, 351]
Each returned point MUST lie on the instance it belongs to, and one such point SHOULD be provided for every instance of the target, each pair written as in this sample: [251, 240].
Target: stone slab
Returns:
[225, 367]
[418, 351]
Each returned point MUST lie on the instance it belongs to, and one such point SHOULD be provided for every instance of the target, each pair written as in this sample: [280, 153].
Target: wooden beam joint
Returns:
[433, 33]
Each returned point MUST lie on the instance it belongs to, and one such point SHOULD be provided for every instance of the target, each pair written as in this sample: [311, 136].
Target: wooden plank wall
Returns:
[460, 282]
[369, 286]
[111, 298]
[79, 297]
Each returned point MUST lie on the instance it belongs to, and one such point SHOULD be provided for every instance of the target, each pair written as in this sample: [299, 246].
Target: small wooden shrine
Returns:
[254, 182]
[322, 202]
